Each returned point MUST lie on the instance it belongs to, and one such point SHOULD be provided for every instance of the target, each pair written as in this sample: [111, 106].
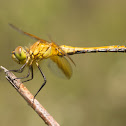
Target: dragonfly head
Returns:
[19, 55]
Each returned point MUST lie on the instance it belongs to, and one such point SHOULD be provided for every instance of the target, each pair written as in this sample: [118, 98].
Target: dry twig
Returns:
[24, 92]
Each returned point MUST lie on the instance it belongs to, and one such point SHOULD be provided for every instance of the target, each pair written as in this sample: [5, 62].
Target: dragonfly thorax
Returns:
[19, 55]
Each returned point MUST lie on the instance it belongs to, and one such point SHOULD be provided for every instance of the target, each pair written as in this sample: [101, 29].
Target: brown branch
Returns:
[24, 92]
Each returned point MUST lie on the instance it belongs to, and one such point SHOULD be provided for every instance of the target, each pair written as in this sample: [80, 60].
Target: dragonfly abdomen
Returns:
[78, 50]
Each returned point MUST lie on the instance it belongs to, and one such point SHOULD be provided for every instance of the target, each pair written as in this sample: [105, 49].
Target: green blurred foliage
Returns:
[96, 93]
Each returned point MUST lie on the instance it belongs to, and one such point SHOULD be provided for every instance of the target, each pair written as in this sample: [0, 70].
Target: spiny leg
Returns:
[30, 69]
[28, 74]
[19, 70]
[44, 80]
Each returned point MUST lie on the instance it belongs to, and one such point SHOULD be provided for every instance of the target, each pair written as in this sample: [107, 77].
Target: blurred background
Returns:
[96, 93]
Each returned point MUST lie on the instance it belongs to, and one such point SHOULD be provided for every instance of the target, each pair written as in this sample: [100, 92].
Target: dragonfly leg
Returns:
[30, 69]
[28, 74]
[44, 80]
[19, 70]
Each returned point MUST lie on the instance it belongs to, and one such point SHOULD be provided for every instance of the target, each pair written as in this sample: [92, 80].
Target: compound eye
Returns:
[19, 53]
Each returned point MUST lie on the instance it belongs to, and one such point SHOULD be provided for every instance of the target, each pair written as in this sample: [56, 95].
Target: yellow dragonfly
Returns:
[43, 49]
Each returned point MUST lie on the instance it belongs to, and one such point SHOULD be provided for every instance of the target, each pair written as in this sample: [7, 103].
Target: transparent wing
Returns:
[28, 34]
[63, 65]
[62, 51]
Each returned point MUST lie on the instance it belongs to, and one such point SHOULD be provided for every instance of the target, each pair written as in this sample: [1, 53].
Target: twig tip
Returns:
[5, 70]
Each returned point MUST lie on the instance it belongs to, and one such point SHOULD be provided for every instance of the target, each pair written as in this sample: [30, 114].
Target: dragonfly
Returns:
[43, 49]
